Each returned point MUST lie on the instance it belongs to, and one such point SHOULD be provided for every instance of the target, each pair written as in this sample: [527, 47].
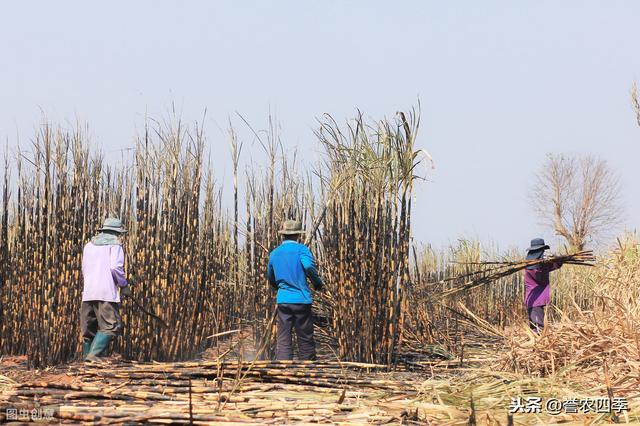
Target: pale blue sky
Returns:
[501, 83]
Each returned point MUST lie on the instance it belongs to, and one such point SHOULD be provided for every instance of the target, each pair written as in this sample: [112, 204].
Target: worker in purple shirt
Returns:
[537, 293]
[104, 279]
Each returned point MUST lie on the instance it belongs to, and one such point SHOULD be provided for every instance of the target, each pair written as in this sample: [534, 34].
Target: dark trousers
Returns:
[97, 315]
[536, 318]
[298, 316]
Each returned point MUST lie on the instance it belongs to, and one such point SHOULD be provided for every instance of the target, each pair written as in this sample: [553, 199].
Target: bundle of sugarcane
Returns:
[129, 405]
[321, 374]
[493, 271]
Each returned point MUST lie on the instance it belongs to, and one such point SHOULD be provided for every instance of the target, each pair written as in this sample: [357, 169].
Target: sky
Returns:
[501, 84]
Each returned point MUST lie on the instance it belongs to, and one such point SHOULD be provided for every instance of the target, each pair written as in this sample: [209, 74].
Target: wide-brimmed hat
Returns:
[291, 227]
[538, 244]
[113, 224]
[536, 251]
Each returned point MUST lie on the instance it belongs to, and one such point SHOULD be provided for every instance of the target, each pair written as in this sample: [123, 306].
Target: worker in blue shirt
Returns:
[290, 264]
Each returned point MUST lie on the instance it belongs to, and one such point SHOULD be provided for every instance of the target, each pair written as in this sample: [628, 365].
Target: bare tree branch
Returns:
[577, 197]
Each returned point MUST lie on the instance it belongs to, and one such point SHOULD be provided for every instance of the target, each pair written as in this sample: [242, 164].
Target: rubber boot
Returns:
[86, 347]
[98, 346]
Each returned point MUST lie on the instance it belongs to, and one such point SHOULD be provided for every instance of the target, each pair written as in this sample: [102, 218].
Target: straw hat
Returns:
[113, 224]
[291, 227]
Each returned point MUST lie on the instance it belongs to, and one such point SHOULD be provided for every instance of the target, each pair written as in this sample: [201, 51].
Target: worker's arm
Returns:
[309, 265]
[552, 266]
[271, 276]
[117, 266]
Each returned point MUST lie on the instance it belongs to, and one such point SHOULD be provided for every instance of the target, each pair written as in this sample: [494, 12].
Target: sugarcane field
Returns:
[339, 213]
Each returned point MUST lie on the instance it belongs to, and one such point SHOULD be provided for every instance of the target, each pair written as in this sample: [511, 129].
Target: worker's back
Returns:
[98, 264]
[536, 284]
[286, 265]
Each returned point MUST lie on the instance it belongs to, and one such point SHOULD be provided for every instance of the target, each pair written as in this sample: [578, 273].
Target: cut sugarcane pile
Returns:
[213, 392]
[493, 271]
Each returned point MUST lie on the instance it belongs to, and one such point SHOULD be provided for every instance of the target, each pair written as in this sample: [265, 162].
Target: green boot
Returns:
[86, 347]
[98, 346]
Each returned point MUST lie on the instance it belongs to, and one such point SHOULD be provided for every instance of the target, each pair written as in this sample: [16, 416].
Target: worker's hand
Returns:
[125, 291]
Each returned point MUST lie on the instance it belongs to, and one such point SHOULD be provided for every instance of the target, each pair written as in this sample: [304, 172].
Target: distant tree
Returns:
[578, 197]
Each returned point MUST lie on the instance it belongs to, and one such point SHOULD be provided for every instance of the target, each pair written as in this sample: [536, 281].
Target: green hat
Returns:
[291, 227]
[113, 224]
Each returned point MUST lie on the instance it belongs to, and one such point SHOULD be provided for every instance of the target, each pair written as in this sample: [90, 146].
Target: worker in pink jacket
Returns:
[104, 278]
